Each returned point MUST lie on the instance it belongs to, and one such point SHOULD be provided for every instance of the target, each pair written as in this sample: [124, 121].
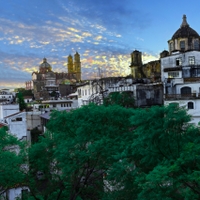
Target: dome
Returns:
[185, 31]
[45, 66]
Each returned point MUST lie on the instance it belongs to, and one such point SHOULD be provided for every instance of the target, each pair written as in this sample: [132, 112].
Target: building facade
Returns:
[150, 70]
[45, 82]
[180, 70]
[145, 94]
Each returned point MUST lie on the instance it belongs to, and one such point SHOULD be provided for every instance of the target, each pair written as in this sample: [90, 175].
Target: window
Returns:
[195, 72]
[182, 45]
[173, 74]
[86, 92]
[190, 105]
[50, 82]
[171, 46]
[196, 44]
[79, 92]
[178, 61]
[185, 91]
[54, 105]
[191, 60]
[16, 119]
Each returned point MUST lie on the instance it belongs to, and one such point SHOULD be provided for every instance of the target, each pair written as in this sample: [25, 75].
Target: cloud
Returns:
[141, 39]
[31, 30]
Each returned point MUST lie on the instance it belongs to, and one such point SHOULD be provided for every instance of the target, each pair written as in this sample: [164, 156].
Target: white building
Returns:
[62, 104]
[180, 70]
[17, 125]
[16, 193]
[8, 109]
[144, 94]
[6, 96]
[84, 92]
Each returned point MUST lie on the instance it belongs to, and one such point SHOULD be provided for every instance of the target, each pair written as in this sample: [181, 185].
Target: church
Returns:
[46, 83]
[150, 70]
[180, 70]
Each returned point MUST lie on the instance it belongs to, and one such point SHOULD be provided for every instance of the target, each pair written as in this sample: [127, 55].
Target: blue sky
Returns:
[104, 32]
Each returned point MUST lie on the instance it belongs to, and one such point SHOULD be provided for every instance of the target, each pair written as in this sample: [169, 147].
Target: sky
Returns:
[103, 32]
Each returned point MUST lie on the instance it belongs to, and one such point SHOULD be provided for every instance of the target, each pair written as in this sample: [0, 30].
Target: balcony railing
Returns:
[192, 79]
[182, 96]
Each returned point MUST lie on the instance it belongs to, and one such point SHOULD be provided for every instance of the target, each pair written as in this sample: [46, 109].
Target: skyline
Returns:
[103, 33]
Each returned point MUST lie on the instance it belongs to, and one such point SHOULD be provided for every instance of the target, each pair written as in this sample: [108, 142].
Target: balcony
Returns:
[192, 79]
[182, 96]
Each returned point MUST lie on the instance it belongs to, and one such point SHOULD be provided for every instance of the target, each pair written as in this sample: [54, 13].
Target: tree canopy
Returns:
[20, 100]
[116, 153]
[81, 145]
[11, 170]
[24, 92]
[124, 99]
[162, 161]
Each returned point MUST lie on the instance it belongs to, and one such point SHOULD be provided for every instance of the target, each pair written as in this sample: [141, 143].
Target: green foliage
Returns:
[124, 99]
[11, 172]
[78, 149]
[19, 90]
[35, 133]
[162, 160]
[115, 153]
[54, 94]
[20, 100]
[24, 92]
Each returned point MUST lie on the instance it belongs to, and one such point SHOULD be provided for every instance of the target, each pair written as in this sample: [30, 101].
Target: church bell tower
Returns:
[77, 66]
[136, 63]
[70, 64]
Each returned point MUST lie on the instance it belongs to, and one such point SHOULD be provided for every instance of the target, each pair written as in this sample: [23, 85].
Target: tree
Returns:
[11, 171]
[162, 161]
[115, 153]
[24, 92]
[79, 148]
[20, 100]
[124, 99]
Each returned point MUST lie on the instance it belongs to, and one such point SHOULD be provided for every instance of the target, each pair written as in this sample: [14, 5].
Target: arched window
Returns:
[186, 91]
[190, 105]
[182, 45]
[196, 44]
[171, 46]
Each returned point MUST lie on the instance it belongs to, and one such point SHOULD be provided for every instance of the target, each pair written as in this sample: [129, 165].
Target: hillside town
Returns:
[173, 79]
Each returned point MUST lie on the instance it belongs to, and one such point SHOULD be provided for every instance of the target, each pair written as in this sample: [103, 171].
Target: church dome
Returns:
[45, 66]
[185, 31]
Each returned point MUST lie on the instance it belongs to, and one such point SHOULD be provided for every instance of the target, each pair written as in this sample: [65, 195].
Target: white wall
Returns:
[33, 119]
[195, 113]
[8, 109]
[12, 194]
[170, 61]
[84, 94]
[17, 128]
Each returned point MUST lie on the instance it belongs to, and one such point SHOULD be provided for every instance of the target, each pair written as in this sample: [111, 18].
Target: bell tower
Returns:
[77, 66]
[70, 64]
[136, 63]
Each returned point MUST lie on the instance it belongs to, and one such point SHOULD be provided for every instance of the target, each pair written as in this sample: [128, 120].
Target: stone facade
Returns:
[150, 70]
[46, 82]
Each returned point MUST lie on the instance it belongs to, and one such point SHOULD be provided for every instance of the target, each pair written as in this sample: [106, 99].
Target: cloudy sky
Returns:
[104, 32]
